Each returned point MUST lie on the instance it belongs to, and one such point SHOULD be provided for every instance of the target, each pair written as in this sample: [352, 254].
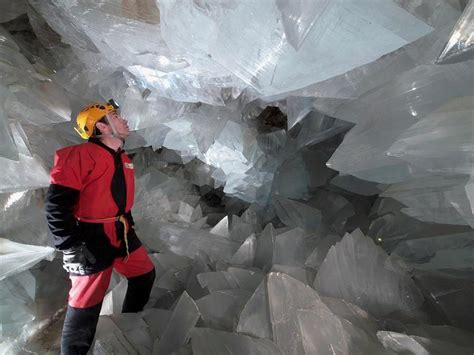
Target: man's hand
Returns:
[76, 258]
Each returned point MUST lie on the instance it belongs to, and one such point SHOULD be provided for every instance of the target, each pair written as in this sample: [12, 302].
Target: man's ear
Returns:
[101, 125]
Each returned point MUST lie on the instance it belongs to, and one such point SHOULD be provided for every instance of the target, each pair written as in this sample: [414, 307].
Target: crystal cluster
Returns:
[304, 171]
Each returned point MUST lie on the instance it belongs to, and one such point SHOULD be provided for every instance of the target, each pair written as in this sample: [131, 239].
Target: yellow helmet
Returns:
[90, 115]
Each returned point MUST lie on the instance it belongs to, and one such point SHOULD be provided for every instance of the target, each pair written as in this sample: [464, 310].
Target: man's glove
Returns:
[76, 258]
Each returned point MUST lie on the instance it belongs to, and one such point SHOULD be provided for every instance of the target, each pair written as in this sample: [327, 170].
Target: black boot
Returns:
[79, 329]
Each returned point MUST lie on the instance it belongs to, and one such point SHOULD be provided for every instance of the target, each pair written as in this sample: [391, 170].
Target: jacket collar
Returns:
[110, 150]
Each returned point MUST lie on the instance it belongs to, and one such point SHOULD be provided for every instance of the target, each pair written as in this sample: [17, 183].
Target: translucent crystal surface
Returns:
[299, 17]
[275, 66]
[7, 146]
[181, 322]
[356, 270]
[402, 110]
[304, 172]
[214, 342]
[461, 43]
[16, 257]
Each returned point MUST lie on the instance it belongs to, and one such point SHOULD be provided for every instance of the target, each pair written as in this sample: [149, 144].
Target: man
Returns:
[88, 211]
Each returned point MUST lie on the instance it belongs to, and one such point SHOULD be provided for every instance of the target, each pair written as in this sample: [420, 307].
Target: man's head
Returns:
[113, 125]
[101, 119]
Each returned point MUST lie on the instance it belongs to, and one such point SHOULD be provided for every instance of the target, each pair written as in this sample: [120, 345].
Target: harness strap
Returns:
[120, 219]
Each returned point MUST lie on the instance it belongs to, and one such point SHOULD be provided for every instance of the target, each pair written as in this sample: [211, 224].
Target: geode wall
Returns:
[305, 170]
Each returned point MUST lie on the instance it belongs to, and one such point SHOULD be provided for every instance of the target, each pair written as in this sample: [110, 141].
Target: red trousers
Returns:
[87, 293]
[89, 290]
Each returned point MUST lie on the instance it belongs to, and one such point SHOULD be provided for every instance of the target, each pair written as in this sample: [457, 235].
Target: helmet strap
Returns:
[114, 133]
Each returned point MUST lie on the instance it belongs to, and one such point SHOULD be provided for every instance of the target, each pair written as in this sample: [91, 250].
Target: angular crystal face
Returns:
[182, 321]
[263, 133]
[403, 343]
[8, 148]
[460, 46]
[17, 257]
[259, 53]
[299, 17]
[206, 341]
[357, 270]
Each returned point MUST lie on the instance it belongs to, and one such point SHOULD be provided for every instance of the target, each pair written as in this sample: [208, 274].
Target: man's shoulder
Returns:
[78, 151]
[82, 147]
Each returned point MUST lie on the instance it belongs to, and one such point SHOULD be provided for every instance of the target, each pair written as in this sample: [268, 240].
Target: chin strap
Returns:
[113, 135]
[121, 139]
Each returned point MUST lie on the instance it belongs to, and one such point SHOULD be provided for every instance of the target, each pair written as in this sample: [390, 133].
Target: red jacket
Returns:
[91, 181]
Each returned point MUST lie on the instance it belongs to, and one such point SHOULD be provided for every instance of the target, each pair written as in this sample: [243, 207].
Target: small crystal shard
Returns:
[460, 46]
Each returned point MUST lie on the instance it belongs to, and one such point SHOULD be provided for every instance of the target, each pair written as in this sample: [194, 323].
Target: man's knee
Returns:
[138, 292]
[143, 281]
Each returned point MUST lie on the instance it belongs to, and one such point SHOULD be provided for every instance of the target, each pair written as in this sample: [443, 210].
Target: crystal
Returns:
[296, 272]
[336, 209]
[22, 218]
[217, 280]
[356, 270]
[293, 247]
[440, 142]
[358, 186]
[109, 339]
[325, 333]
[113, 300]
[41, 103]
[297, 214]
[439, 198]
[221, 228]
[48, 38]
[28, 301]
[352, 313]
[376, 132]
[143, 112]
[7, 146]
[206, 341]
[299, 17]
[200, 265]
[264, 252]
[292, 179]
[449, 295]
[271, 311]
[245, 255]
[185, 242]
[182, 321]
[17, 257]
[254, 318]
[409, 344]
[267, 61]
[11, 9]
[26, 174]
[135, 330]
[460, 46]
[323, 244]
[221, 309]
[444, 333]
[18, 293]
[449, 251]
[246, 279]
[317, 127]
[157, 320]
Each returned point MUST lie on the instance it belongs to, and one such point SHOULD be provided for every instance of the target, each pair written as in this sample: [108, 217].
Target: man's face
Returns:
[119, 123]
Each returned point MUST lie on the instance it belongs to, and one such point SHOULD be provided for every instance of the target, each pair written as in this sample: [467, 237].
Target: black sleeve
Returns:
[59, 203]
